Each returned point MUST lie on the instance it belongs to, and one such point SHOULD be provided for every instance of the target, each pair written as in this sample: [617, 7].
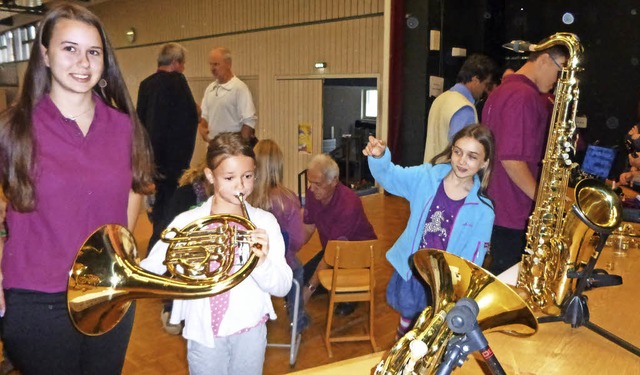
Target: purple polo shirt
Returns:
[518, 115]
[80, 184]
[343, 218]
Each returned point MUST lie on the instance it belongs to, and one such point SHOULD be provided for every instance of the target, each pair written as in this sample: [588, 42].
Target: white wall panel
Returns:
[269, 39]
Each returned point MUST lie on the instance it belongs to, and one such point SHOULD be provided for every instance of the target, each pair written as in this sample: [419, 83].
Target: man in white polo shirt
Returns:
[227, 105]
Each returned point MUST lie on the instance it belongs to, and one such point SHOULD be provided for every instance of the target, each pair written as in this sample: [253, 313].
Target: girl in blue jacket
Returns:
[449, 211]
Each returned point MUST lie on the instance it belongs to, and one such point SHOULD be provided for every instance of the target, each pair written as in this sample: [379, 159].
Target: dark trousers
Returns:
[165, 189]
[507, 247]
[41, 339]
[311, 266]
[298, 275]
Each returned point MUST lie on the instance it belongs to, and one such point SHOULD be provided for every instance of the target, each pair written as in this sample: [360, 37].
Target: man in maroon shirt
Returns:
[518, 114]
[334, 210]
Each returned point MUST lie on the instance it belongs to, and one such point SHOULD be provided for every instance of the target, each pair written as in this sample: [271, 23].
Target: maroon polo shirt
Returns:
[81, 182]
[343, 218]
[518, 115]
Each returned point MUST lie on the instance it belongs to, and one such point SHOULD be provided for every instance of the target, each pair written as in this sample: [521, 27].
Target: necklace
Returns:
[73, 118]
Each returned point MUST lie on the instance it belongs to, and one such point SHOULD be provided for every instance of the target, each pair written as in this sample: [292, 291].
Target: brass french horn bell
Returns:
[452, 278]
[106, 275]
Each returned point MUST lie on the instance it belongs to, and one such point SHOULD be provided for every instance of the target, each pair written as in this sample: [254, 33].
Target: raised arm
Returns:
[375, 147]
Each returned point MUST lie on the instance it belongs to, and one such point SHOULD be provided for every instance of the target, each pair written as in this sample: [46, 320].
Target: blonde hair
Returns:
[268, 187]
[195, 175]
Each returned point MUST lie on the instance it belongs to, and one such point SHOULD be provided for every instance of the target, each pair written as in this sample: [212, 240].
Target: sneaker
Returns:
[345, 308]
[303, 322]
[172, 329]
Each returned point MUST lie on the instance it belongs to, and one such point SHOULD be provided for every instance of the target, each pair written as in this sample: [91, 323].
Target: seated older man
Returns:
[336, 212]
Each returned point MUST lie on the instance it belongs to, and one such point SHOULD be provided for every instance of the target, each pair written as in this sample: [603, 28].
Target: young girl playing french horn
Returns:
[226, 333]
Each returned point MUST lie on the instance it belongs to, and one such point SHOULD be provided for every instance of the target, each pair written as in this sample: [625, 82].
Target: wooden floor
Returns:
[555, 349]
[152, 351]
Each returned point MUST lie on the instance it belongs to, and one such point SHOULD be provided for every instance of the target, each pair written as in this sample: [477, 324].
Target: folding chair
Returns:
[296, 336]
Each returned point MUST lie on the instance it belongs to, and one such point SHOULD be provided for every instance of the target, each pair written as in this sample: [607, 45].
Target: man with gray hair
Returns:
[227, 104]
[336, 212]
[169, 113]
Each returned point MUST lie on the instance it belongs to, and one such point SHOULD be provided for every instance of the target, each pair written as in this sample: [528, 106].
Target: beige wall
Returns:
[274, 45]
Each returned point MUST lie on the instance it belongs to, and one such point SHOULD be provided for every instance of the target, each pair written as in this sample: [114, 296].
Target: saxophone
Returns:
[556, 240]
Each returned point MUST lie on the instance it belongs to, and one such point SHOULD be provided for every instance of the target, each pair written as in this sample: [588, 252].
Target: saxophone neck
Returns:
[570, 41]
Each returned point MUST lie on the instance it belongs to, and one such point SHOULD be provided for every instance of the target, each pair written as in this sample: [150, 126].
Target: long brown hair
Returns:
[483, 135]
[268, 187]
[16, 127]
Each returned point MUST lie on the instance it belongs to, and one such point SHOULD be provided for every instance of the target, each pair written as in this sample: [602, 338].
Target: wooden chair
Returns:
[350, 280]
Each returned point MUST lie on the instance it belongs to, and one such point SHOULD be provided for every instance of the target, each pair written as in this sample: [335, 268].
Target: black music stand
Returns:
[462, 320]
[575, 310]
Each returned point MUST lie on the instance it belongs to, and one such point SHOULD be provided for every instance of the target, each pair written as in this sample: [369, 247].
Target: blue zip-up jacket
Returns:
[471, 232]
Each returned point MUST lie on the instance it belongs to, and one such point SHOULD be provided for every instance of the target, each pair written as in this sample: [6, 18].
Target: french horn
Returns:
[208, 256]
[452, 278]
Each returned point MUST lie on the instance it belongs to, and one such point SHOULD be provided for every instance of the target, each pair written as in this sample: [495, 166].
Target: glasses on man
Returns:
[555, 62]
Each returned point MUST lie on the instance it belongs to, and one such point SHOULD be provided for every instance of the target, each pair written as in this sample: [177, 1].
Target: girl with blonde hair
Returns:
[270, 194]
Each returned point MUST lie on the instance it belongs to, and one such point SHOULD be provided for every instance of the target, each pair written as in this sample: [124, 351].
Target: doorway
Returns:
[350, 113]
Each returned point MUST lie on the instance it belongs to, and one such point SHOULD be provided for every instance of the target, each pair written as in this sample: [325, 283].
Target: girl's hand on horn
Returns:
[260, 244]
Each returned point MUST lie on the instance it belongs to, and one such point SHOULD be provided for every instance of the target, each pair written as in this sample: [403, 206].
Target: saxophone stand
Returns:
[575, 310]
[462, 320]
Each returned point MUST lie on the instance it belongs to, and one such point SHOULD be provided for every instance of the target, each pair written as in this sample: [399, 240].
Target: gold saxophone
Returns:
[557, 241]
[206, 257]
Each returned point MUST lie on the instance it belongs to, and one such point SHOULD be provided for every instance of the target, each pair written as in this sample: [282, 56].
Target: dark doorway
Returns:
[350, 115]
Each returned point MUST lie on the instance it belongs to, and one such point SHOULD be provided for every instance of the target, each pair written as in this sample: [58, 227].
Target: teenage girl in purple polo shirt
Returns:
[73, 157]
[449, 211]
